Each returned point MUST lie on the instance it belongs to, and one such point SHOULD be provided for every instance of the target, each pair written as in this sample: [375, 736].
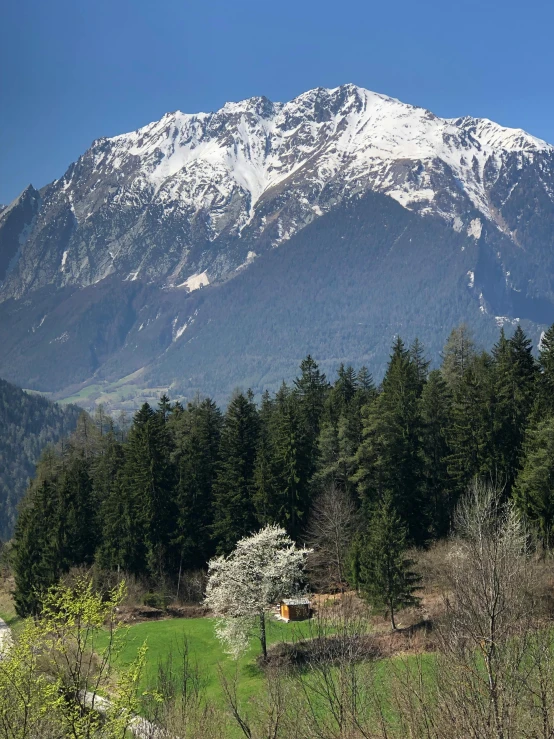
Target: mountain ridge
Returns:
[129, 258]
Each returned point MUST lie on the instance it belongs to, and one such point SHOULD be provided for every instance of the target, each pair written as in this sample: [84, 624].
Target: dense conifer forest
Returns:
[182, 484]
[28, 423]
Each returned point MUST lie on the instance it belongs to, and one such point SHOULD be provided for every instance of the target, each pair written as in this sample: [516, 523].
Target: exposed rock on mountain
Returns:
[107, 256]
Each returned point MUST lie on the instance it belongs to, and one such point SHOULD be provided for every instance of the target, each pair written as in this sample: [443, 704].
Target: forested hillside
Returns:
[183, 484]
[28, 423]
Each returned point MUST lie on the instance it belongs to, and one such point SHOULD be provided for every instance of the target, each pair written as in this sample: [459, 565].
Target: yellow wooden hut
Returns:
[294, 609]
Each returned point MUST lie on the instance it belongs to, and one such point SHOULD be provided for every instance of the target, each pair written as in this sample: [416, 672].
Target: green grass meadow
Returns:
[165, 638]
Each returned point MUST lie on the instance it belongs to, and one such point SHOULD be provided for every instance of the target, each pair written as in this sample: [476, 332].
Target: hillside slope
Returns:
[27, 424]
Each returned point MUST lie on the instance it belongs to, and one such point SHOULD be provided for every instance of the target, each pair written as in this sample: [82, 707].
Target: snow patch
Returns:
[195, 282]
[457, 224]
[64, 260]
[471, 276]
[475, 228]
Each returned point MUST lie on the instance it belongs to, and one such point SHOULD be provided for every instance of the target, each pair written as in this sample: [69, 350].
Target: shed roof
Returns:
[296, 601]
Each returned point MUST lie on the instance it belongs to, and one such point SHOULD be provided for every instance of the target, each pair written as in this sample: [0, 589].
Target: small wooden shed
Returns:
[295, 609]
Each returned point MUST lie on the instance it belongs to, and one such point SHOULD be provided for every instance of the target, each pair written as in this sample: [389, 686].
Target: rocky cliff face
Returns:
[192, 201]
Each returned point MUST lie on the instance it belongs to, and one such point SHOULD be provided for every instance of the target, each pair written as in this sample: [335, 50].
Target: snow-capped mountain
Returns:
[193, 200]
[190, 198]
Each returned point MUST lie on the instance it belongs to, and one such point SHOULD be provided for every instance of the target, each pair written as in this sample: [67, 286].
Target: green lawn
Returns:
[166, 637]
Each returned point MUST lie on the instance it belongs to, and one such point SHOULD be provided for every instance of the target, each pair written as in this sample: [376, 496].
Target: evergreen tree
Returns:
[267, 499]
[75, 519]
[387, 581]
[293, 458]
[311, 389]
[36, 554]
[471, 434]
[234, 487]
[389, 456]
[546, 381]
[197, 437]
[515, 381]
[458, 354]
[421, 364]
[534, 488]
[435, 407]
[148, 479]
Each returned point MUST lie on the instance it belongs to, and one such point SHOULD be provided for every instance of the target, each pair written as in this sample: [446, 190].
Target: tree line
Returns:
[182, 484]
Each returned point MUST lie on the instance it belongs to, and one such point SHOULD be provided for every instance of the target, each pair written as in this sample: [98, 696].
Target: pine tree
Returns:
[534, 487]
[36, 553]
[267, 498]
[75, 520]
[311, 389]
[421, 364]
[546, 381]
[148, 478]
[387, 581]
[435, 404]
[197, 437]
[515, 376]
[234, 487]
[458, 354]
[389, 456]
[471, 434]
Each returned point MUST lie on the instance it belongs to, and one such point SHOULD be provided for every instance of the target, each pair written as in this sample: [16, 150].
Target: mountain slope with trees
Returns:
[183, 484]
[204, 252]
[28, 423]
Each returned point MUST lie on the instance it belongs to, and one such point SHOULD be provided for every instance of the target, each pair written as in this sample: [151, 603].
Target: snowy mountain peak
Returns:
[195, 194]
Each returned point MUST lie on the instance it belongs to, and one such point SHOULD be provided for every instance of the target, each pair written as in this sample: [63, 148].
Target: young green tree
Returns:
[386, 578]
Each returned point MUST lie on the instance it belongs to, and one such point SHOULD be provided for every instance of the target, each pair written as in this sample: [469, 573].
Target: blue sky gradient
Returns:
[74, 70]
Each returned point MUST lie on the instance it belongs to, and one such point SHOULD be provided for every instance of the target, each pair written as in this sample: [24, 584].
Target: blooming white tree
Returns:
[263, 569]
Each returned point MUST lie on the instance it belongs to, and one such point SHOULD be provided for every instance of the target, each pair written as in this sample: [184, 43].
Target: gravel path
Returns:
[5, 636]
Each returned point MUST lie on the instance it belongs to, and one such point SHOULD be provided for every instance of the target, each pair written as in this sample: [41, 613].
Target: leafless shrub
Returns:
[330, 531]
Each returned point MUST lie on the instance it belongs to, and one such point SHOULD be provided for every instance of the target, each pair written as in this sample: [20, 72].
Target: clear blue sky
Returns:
[74, 70]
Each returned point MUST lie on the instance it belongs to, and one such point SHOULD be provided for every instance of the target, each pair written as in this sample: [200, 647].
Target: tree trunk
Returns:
[262, 635]
[393, 624]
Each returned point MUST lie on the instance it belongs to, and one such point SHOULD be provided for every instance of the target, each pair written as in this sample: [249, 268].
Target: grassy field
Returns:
[165, 638]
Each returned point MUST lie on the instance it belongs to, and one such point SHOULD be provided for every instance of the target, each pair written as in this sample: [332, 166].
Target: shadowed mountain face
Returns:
[204, 251]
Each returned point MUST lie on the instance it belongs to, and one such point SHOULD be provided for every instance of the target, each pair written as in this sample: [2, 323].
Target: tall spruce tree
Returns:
[293, 461]
[386, 578]
[389, 456]
[471, 431]
[311, 389]
[435, 405]
[36, 552]
[267, 495]
[148, 480]
[234, 487]
[458, 354]
[515, 376]
[197, 434]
